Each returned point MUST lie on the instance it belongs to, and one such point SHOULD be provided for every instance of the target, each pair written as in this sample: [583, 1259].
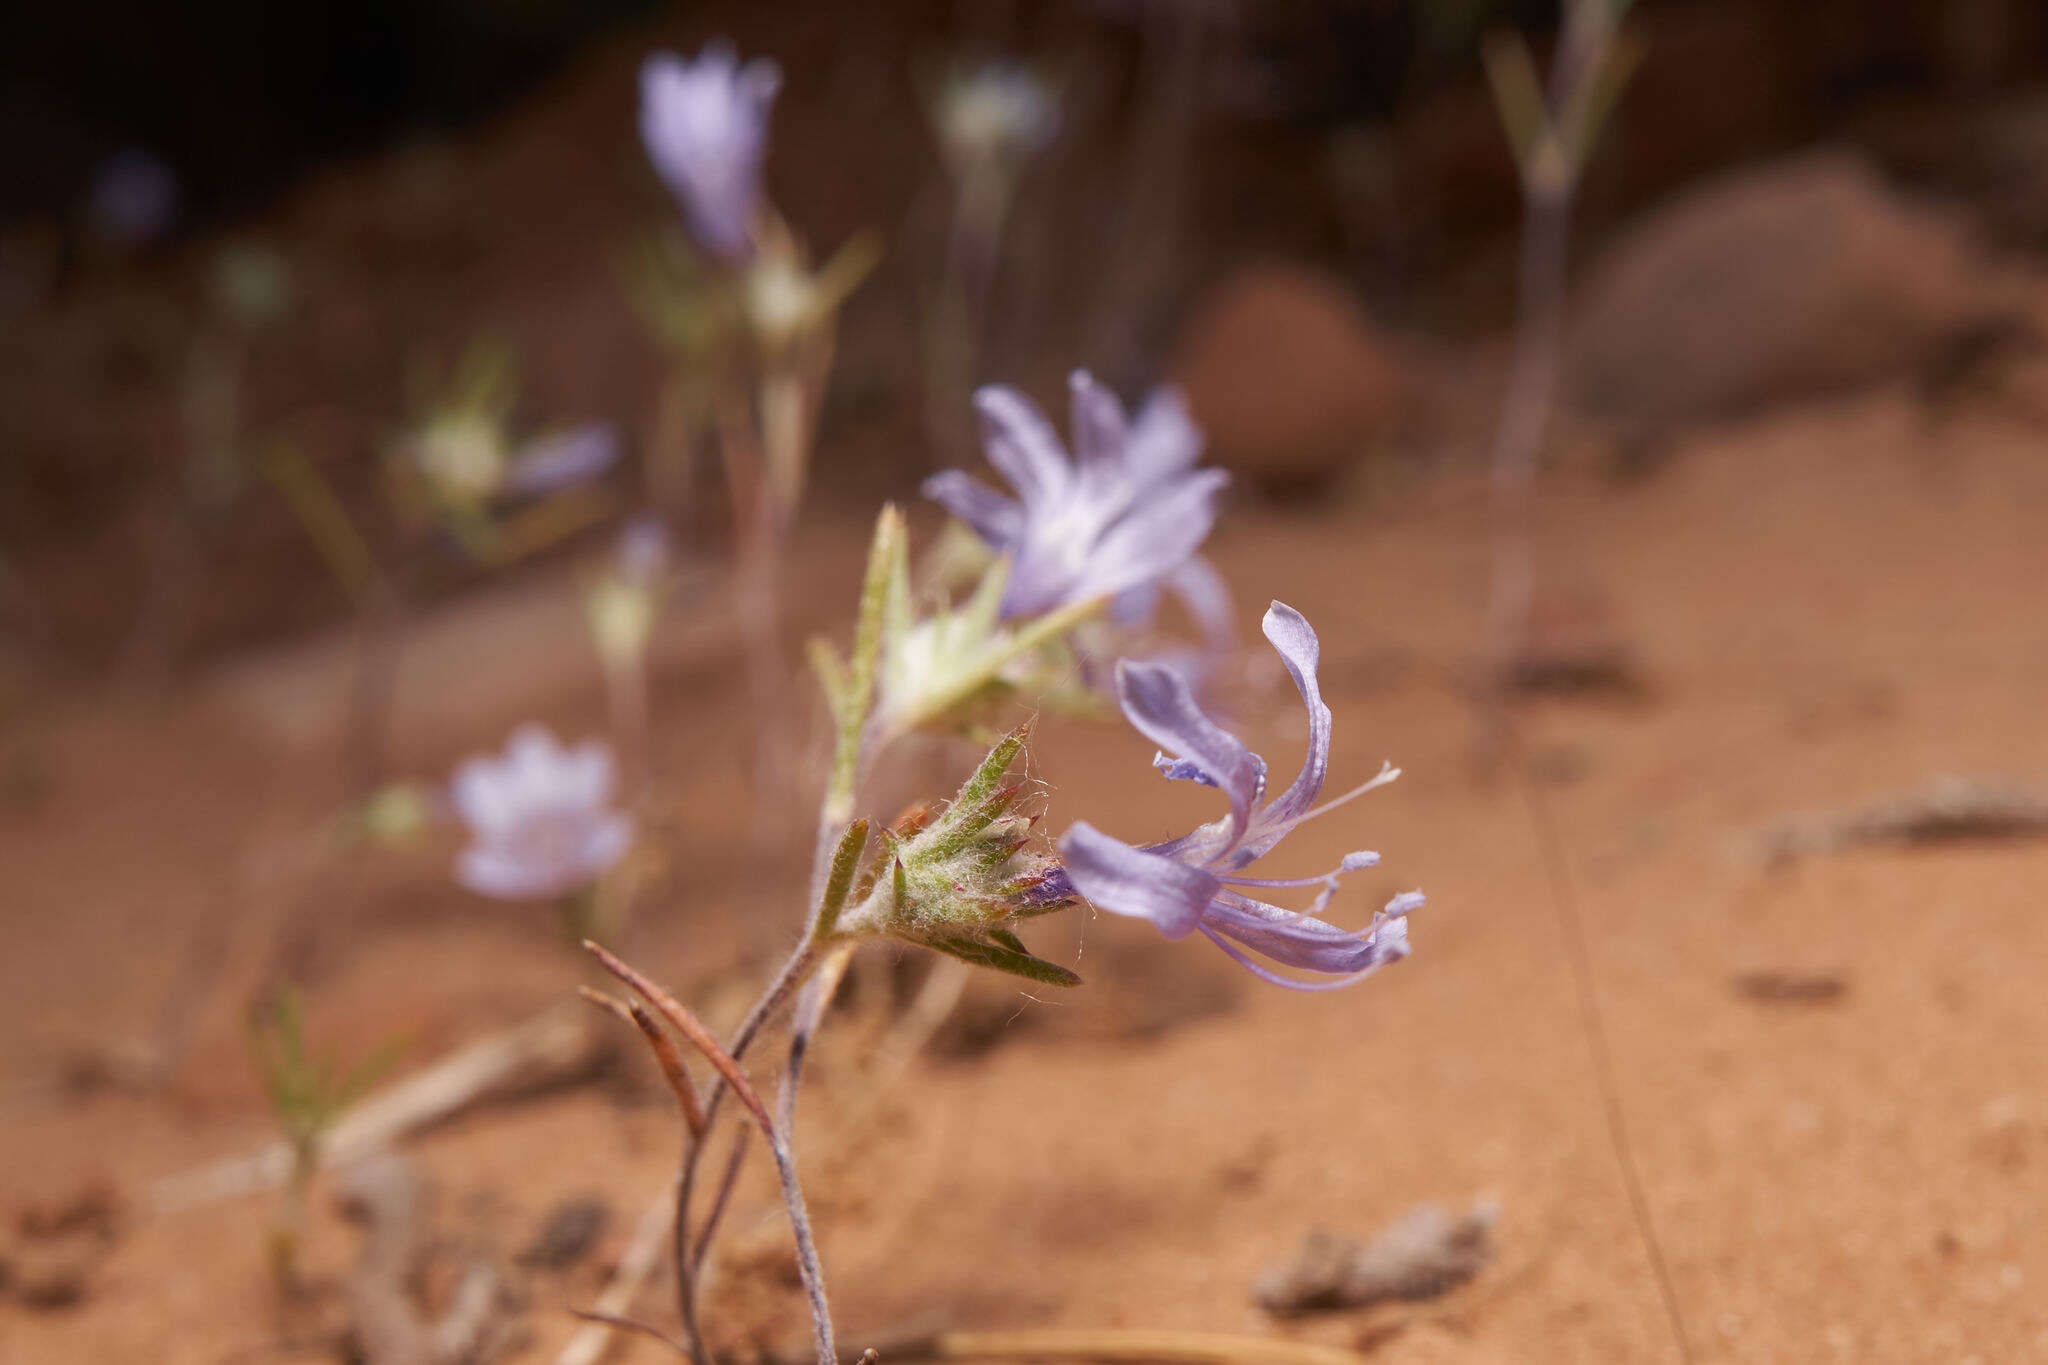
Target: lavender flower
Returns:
[562, 460]
[1126, 514]
[645, 550]
[1188, 884]
[705, 126]
[540, 820]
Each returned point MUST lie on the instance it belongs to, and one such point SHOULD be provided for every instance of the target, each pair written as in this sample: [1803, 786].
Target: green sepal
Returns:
[1003, 957]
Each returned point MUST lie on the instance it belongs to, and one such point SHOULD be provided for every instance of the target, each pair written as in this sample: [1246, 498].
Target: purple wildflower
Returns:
[705, 126]
[645, 550]
[540, 818]
[562, 460]
[1125, 515]
[1190, 883]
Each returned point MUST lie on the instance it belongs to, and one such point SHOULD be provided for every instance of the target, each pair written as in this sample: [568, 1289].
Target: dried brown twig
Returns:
[699, 1037]
[551, 1049]
[1101, 1343]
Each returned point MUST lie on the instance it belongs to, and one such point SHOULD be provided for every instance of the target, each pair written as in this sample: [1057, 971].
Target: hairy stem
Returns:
[779, 990]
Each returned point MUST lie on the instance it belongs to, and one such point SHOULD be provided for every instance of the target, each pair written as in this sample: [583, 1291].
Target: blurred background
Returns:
[1723, 1008]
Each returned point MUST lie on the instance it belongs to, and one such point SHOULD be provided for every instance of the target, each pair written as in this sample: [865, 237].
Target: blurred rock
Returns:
[1288, 377]
[567, 1234]
[1426, 1253]
[59, 1245]
[1803, 275]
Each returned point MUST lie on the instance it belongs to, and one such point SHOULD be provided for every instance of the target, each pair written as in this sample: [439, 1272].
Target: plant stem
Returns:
[779, 990]
[808, 1265]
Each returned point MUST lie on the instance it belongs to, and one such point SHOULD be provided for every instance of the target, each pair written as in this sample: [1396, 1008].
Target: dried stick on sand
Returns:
[1104, 1344]
[562, 1045]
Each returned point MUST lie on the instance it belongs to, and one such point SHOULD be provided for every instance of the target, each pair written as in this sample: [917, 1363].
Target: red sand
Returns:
[1829, 606]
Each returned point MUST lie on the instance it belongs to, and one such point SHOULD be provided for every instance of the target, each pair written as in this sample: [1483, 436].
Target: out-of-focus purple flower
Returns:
[135, 198]
[540, 818]
[1192, 883]
[1125, 514]
[645, 550]
[562, 460]
[705, 126]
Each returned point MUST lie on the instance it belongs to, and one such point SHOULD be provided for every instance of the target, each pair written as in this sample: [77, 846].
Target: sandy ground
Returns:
[1827, 605]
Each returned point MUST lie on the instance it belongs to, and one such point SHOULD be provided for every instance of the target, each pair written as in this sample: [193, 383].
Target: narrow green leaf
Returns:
[843, 273]
[365, 1074]
[831, 675]
[979, 614]
[884, 555]
[1598, 93]
[1518, 96]
[845, 862]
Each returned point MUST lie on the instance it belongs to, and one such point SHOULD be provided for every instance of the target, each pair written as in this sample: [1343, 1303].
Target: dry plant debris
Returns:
[479, 1320]
[1425, 1253]
[1944, 810]
[1790, 988]
[58, 1247]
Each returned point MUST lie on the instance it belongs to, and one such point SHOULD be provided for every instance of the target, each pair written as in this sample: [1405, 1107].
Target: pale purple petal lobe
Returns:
[1021, 444]
[1100, 435]
[1157, 702]
[1132, 881]
[1294, 640]
[995, 518]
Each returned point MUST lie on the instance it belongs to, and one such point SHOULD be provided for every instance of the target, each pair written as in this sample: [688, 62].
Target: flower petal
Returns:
[482, 795]
[1202, 591]
[1099, 432]
[705, 126]
[1385, 942]
[584, 777]
[996, 519]
[1164, 439]
[1155, 536]
[491, 869]
[1156, 700]
[532, 762]
[563, 460]
[1021, 444]
[1294, 640]
[1135, 606]
[1132, 881]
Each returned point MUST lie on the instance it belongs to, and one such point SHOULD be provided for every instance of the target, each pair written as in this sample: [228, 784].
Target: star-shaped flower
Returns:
[1193, 883]
[540, 818]
[1125, 513]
